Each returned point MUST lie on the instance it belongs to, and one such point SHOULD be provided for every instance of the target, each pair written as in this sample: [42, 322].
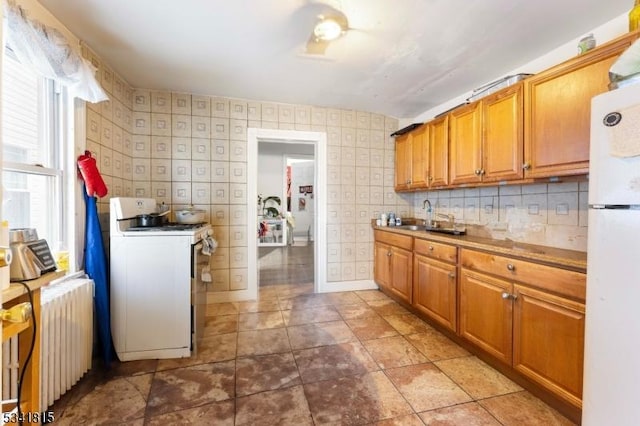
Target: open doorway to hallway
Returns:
[286, 222]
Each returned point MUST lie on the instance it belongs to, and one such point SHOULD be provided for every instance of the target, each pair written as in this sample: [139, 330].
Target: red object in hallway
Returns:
[89, 173]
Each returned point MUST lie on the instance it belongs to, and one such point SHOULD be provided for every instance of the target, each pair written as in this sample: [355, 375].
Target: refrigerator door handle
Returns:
[615, 206]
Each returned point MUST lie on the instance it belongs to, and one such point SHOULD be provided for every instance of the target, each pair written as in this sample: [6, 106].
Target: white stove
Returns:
[158, 283]
[122, 220]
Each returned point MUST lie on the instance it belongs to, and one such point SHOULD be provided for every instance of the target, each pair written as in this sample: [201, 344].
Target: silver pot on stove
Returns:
[149, 220]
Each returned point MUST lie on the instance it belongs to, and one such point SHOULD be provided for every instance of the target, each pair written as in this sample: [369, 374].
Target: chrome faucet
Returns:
[450, 218]
[426, 205]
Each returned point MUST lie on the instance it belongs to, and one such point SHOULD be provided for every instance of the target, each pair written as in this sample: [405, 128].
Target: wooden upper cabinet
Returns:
[439, 152]
[503, 143]
[558, 111]
[420, 158]
[465, 127]
[403, 162]
[487, 138]
[412, 159]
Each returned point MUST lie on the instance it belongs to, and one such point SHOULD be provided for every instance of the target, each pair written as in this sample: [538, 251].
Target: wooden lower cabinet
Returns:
[381, 264]
[393, 264]
[538, 333]
[548, 341]
[435, 282]
[528, 316]
[434, 292]
[486, 318]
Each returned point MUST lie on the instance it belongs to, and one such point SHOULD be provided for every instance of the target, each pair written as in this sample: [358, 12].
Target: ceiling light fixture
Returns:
[329, 28]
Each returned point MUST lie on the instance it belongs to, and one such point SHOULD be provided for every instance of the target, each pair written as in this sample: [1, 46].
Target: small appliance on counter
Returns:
[31, 256]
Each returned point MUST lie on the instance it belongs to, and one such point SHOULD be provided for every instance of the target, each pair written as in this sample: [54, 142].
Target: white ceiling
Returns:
[402, 57]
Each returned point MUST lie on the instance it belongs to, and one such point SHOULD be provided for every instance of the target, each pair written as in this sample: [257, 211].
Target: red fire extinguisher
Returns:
[93, 181]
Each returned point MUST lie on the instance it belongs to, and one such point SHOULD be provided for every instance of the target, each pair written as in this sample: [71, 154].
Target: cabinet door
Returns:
[439, 152]
[419, 157]
[485, 316]
[503, 144]
[549, 342]
[403, 162]
[401, 276]
[465, 144]
[434, 290]
[558, 111]
[382, 264]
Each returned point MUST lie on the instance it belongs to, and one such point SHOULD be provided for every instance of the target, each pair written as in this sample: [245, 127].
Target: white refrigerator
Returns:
[611, 394]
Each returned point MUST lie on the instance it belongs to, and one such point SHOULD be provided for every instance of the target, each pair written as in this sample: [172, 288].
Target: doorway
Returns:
[315, 145]
[285, 181]
[300, 201]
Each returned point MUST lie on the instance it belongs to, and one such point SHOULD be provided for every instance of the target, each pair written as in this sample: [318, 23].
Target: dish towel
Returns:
[209, 246]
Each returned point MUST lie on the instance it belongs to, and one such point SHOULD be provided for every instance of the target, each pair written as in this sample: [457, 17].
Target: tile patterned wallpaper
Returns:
[187, 149]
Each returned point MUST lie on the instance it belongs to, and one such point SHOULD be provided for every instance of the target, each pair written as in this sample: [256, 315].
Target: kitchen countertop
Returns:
[572, 259]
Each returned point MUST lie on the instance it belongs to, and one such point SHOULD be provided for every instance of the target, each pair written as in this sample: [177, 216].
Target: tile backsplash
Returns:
[553, 214]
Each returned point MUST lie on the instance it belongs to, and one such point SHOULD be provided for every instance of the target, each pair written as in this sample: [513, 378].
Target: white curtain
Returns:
[49, 52]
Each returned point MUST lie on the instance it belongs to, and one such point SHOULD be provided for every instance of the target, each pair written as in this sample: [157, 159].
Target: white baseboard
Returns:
[332, 287]
[231, 296]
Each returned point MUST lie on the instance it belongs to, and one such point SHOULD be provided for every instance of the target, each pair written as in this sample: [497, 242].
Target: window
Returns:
[33, 111]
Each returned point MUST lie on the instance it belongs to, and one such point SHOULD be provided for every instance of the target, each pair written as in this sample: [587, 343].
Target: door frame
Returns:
[319, 141]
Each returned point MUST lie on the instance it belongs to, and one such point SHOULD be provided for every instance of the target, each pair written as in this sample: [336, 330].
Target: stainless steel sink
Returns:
[450, 231]
[412, 227]
[439, 229]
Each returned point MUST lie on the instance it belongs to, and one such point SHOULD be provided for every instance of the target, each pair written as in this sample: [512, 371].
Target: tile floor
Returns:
[297, 260]
[298, 358]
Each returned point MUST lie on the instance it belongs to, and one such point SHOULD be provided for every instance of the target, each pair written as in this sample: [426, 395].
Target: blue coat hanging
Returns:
[95, 260]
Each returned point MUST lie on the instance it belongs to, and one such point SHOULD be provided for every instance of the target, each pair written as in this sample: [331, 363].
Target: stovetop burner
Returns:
[171, 226]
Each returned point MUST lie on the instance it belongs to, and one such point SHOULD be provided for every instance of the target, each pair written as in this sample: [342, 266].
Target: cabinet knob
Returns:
[388, 254]
[477, 172]
[511, 267]
[430, 178]
[506, 295]
[481, 172]
[526, 166]
[452, 275]
[430, 248]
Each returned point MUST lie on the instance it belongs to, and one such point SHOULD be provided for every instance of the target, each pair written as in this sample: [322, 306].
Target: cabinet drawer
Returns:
[402, 241]
[561, 281]
[439, 251]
